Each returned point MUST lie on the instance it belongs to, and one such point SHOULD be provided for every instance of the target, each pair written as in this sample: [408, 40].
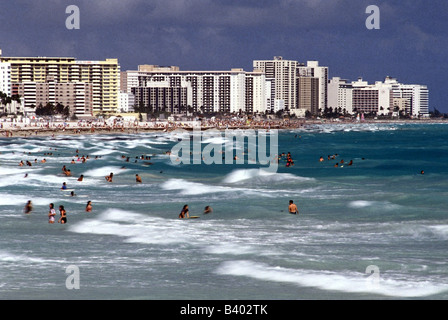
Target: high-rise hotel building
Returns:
[381, 98]
[296, 86]
[283, 74]
[87, 87]
[169, 89]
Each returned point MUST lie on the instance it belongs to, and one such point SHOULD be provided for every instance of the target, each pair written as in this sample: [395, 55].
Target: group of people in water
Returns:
[337, 164]
[67, 173]
[52, 211]
[288, 158]
[109, 178]
[185, 212]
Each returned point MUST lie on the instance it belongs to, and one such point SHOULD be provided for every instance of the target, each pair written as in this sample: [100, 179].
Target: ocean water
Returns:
[375, 230]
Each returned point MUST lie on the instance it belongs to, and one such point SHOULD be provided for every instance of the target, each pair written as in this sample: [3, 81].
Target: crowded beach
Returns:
[131, 126]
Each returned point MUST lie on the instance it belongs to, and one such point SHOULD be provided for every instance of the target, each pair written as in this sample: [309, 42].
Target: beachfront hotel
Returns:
[298, 87]
[171, 90]
[272, 86]
[382, 98]
[87, 87]
[284, 75]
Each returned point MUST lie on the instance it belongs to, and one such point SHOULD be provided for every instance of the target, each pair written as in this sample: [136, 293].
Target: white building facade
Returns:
[175, 91]
[340, 95]
[5, 78]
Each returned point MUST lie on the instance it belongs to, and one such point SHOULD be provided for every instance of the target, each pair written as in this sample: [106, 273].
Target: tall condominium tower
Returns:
[284, 75]
[320, 73]
[102, 76]
[296, 86]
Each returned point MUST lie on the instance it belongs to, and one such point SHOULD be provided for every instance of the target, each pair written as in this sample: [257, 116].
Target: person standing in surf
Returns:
[89, 206]
[293, 208]
[184, 213]
[63, 218]
[109, 177]
[51, 214]
[28, 207]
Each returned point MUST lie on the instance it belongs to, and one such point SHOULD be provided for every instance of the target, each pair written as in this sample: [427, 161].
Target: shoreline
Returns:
[26, 131]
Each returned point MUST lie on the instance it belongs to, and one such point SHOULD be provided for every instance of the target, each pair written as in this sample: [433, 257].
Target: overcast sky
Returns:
[411, 44]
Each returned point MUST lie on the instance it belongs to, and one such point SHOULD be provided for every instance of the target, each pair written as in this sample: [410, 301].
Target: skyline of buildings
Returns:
[92, 87]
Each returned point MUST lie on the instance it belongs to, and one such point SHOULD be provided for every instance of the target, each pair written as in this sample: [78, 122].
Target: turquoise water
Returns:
[380, 213]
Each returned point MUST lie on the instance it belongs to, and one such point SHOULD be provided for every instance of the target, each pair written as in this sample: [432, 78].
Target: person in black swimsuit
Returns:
[63, 218]
[184, 213]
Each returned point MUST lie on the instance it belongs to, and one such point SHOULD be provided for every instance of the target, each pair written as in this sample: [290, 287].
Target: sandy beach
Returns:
[18, 129]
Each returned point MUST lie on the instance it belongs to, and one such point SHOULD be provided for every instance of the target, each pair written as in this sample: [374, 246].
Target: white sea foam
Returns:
[8, 257]
[104, 171]
[193, 188]
[362, 127]
[441, 231]
[231, 248]
[135, 228]
[103, 152]
[7, 199]
[384, 205]
[7, 171]
[332, 281]
[241, 175]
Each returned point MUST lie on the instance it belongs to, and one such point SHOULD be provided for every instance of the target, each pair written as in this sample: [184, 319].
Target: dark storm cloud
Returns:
[221, 34]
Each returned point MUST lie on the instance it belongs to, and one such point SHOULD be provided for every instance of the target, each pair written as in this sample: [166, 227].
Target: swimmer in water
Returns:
[63, 218]
[89, 206]
[208, 209]
[28, 207]
[293, 208]
[51, 214]
[109, 177]
[184, 213]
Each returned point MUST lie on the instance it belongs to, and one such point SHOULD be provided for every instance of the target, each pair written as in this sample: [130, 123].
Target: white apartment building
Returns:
[258, 92]
[5, 78]
[103, 76]
[292, 85]
[270, 94]
[382, 98]
[283, 74]
[75, 95]
[417, 96]
[160, 93]
[376, 99]
[340, 95]
[126, 102]
[207, 91]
